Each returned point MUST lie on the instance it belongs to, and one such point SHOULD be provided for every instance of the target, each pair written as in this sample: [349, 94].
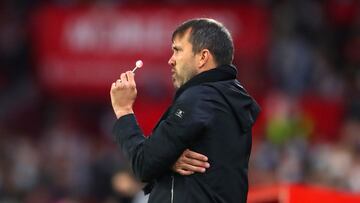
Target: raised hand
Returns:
[123, 94]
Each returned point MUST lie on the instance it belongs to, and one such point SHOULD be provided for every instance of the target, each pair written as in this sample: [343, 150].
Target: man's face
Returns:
[183, 60]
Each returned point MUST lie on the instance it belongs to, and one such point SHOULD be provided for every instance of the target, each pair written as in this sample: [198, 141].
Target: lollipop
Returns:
[138, 64]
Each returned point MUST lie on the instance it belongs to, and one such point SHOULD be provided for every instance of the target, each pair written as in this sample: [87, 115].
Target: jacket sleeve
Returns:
[153, 156]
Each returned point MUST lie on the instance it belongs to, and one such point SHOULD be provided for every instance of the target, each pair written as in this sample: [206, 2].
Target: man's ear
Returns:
[204, 56]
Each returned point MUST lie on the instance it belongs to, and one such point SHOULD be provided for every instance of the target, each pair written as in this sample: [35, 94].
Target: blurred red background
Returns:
[299, 59]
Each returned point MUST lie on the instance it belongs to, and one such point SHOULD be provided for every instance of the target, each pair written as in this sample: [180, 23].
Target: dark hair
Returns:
[208, 34]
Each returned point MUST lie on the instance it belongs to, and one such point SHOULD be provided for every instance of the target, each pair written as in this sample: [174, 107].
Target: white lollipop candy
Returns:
[138, 64]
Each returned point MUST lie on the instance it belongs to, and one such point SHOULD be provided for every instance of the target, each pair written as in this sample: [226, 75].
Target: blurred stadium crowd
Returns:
[62, 151]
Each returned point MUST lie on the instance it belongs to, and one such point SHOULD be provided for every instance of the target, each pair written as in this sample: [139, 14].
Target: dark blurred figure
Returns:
[127, 188]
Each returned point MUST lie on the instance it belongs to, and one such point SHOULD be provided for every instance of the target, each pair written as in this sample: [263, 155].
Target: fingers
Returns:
[184, 172]
[180, 168]
[123, 94]
[123, 78]
[191, 162]
[189, 167]
[118, 83]
[130, 76]
[126, 79]
[195, 162]
[131, 79]
[193, 155]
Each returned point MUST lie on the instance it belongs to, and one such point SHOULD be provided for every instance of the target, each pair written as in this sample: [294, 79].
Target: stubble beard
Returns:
[176, 81]
[179, 81]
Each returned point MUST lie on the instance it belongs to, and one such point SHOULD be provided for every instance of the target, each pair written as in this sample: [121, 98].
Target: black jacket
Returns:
[211, 114]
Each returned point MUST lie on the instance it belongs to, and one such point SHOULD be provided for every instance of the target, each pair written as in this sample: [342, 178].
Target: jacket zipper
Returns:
[172, 188]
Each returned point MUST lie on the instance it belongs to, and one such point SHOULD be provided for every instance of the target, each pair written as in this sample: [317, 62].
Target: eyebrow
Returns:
[176, 48]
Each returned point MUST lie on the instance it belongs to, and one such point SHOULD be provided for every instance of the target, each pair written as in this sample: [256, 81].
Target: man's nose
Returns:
[171, 62]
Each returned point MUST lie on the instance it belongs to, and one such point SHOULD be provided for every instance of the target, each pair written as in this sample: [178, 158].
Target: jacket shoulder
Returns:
[198, 93]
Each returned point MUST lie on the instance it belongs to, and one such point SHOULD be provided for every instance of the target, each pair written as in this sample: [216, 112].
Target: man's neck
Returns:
[223, 72]
[207, 66]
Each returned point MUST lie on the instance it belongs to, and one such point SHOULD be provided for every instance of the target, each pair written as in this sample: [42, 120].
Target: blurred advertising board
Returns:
[299, 193]
[82, 50]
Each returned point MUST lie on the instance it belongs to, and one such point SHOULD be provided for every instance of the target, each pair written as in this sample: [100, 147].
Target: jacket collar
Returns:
[220, 73]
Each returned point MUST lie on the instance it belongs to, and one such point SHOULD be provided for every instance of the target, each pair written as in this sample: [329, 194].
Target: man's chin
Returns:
[176, 87]
[175, 84]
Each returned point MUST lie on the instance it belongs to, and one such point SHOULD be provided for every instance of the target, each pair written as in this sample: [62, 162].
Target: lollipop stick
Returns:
[138, 64]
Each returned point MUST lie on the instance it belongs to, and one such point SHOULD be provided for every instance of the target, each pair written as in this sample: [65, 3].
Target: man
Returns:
[211, 115]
